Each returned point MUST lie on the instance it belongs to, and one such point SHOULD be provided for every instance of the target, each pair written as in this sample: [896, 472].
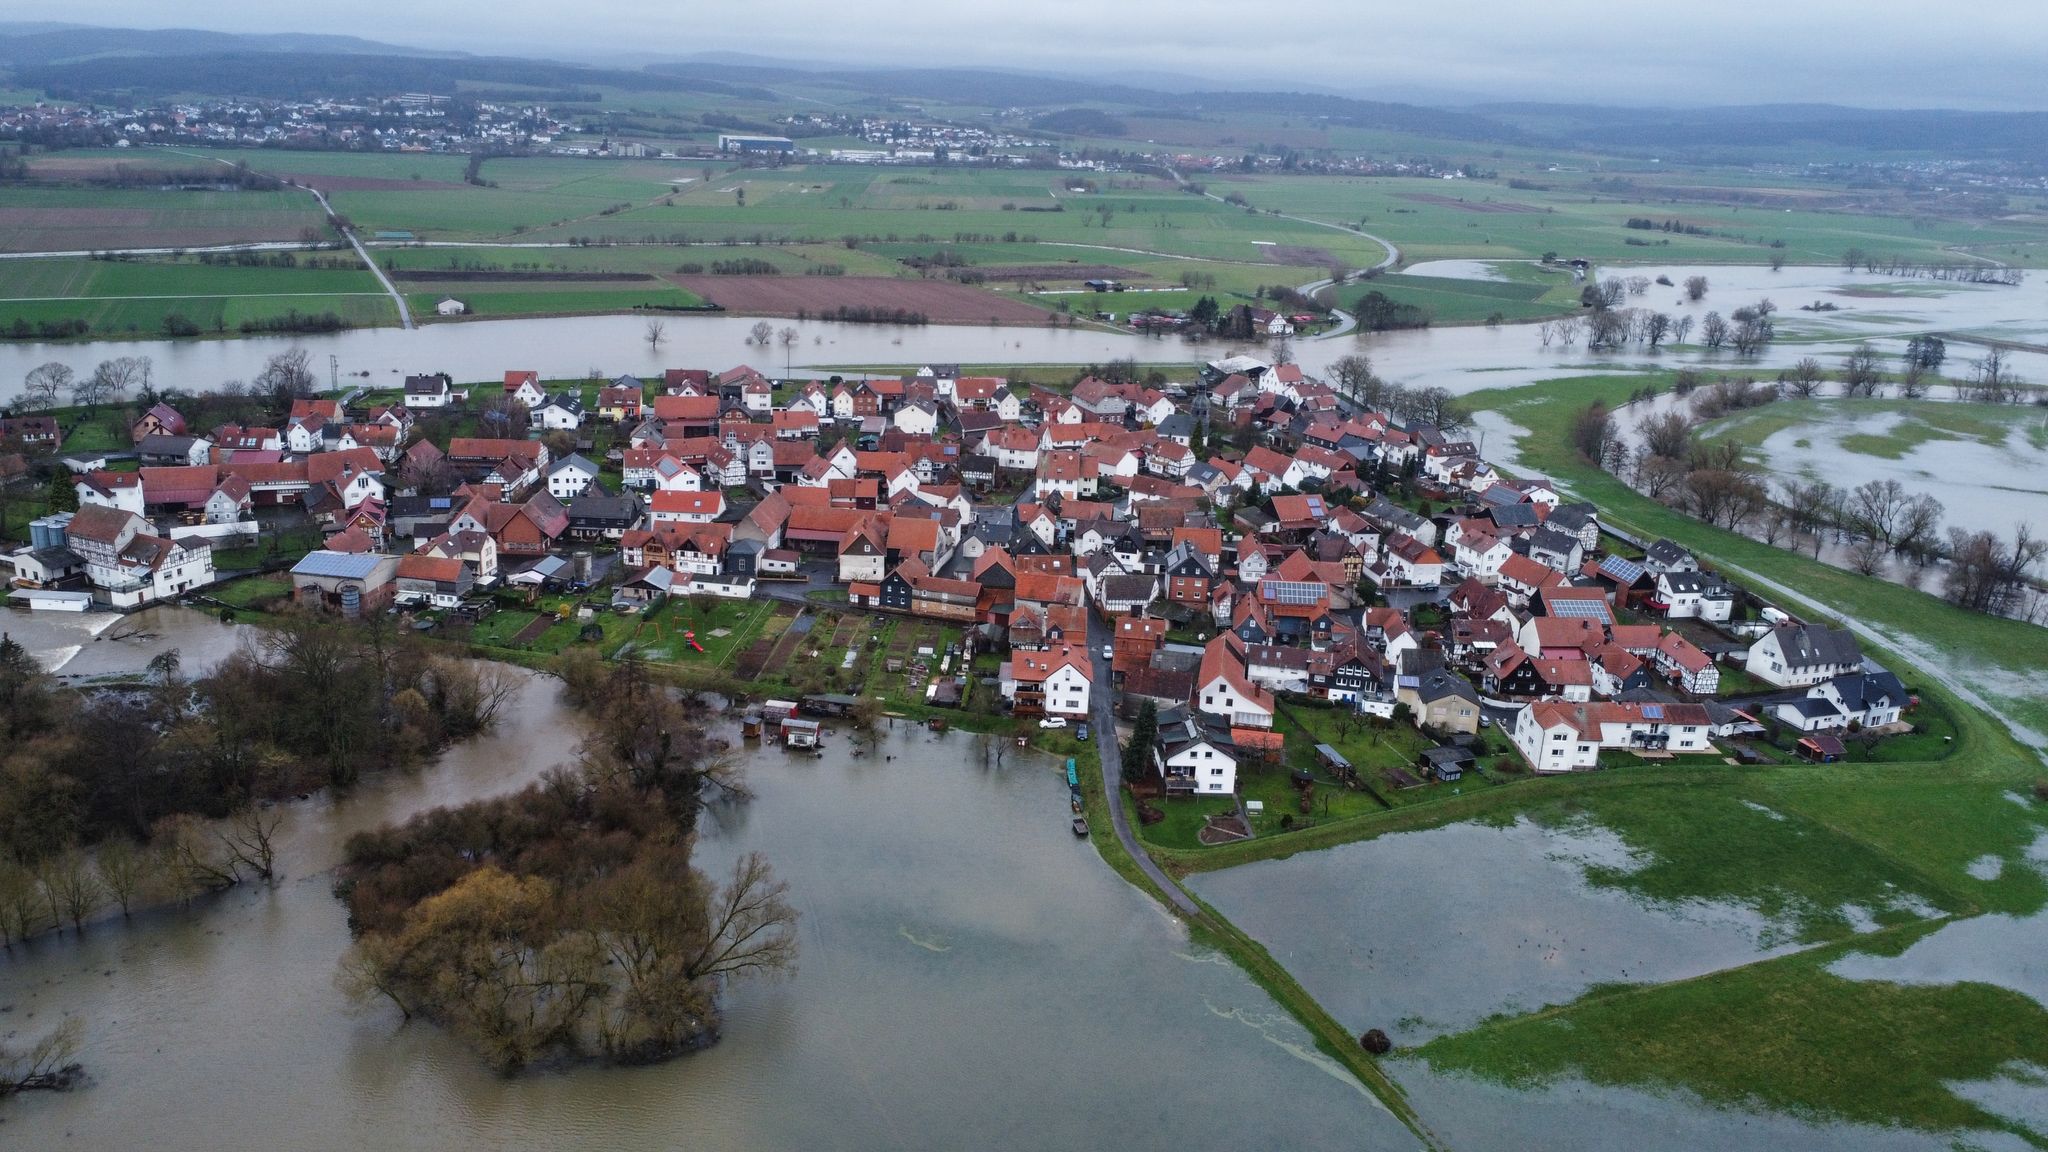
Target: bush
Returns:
[1376, 1042]
[2041, 789]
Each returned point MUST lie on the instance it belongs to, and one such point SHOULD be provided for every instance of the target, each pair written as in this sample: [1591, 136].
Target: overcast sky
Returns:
[1877, 53]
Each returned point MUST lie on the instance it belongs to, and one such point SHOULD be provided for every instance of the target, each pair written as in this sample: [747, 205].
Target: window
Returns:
[1215, 771]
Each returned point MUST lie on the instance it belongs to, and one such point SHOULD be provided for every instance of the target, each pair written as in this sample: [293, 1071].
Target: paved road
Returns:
[404, 310]
[1099, 634]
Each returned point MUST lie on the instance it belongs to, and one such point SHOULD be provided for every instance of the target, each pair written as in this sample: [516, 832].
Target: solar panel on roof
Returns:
[1291, 591]
[1653, 711]
[337, 565]
[1315, 505]
[1579, 609]
[1622, 569]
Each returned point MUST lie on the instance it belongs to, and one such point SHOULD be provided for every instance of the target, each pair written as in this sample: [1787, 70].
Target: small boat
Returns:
[1080, 825]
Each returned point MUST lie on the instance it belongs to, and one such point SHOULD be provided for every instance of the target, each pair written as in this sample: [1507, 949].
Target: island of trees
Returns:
[568, 920]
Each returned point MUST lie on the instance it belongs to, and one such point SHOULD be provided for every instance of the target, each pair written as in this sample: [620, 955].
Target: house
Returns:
[1557, 736]
[685, 507]
[563, 410]
[32, 433]
[450, 306]
[569, 476]
[160, 420]
[1682, 662]
[1870, 699]
[1053, 682]
[121, 490]
[434, 581]
[1689, 593]
[349, 583]
[1438, 699]
[128, 565]
[1800, 655]
[430, 391]
[622, 402]
[525, 388]
[596, 514]
[1194, 758]
[1225, 691]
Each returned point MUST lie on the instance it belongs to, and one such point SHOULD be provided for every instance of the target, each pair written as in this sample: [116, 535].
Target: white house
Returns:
[1056, 682]
[525, 388]
[685, 507]
[450, 306]
[1683, 594]
[1224, 691]
[569, 476]
[431, 391]
[127, 565]
[1192, 758]
[917, 418]
[1556, 736]
[562, 411]
[1869, 699]
[1800, 655]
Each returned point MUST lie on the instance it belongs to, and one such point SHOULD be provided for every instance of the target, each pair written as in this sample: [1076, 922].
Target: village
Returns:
[1306, 608]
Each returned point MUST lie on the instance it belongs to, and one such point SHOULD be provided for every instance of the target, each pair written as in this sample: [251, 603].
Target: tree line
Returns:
[569, 920]
[1714, 481]
[155, 792]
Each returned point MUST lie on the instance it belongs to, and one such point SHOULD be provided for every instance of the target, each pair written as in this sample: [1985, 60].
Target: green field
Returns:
[132, 297]
[1921, 421]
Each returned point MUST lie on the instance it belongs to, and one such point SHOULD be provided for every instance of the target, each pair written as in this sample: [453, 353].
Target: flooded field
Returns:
[1426, 933]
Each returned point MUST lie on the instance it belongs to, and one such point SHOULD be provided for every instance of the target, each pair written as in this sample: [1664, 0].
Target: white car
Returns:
[1109, 651]
[1053, 722]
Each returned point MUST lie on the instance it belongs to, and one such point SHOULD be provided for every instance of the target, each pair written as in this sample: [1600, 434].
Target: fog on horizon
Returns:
[1873, 53]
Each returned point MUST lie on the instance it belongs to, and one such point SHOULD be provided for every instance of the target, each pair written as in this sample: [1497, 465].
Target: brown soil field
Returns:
[1465, 205]
[942, 302]
[79, 229]
[1296, 256]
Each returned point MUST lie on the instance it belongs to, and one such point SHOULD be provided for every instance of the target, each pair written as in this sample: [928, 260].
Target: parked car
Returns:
[1053, 722]
[1081, 732]
[1109, 651]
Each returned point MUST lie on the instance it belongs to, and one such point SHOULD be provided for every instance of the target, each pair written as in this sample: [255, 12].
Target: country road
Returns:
[1101, 697]
[333, 217]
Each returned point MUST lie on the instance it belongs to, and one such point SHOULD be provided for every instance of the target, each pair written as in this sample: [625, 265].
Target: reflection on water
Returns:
[971, 976]
[1427, 933]
[1474, 1115]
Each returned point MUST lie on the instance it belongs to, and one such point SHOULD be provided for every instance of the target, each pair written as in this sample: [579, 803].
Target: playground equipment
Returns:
[690, 638]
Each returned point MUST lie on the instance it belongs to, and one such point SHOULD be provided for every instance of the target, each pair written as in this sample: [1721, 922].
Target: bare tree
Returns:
[1695, 288]
[1668, 434]
[1681, 331]
[1877, 509]
[761, 333]
[1913, 380]
[657, 331]
[45, 383]
[1919, 529]
[1714, 330]
[1656, 325]
[1860, 374]
[250, 839]
[74, 887]
[750, 926]
[788, 338]
[1866, 556]
[1804, 378]
[286, 377]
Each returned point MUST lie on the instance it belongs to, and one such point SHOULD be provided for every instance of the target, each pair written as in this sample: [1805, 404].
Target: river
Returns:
[971, 976]
[1883, 309]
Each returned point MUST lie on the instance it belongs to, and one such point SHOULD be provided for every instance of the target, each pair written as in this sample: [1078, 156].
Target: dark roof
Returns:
[1812, 645]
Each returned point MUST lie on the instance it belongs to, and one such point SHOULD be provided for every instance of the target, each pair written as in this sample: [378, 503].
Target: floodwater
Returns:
[1475, 1115]
[1982, 486]
[1882, 309]
[972, 976]
[1427, 933]
[88, 644]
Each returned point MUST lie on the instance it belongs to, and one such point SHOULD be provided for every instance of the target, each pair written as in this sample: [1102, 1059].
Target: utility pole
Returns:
[333, 372]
